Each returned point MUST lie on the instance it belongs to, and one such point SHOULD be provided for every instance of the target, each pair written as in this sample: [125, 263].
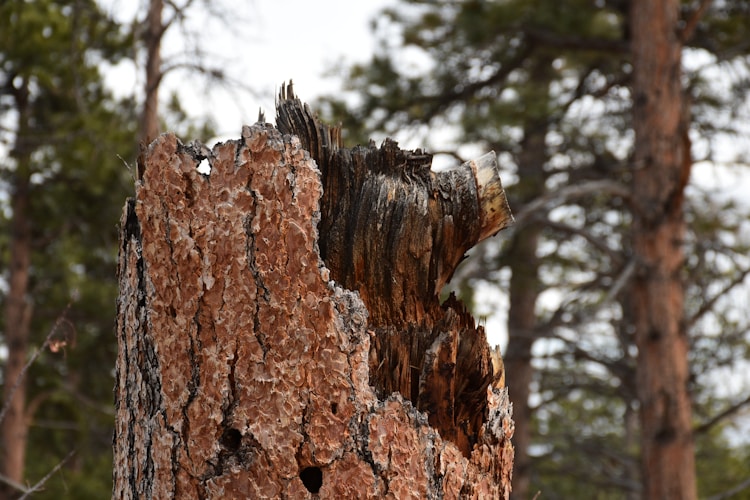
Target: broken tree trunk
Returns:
[280, 332]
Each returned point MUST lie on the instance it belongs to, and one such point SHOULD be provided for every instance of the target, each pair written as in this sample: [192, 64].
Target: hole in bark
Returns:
[312, 478]
[231, 439]
[334, 408]
[204, 166]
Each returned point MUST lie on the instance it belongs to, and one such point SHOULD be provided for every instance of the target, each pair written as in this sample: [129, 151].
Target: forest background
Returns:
[543, 83]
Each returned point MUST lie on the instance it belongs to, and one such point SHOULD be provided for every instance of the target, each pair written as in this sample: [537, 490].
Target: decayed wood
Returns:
[244, 369]
[394, 230]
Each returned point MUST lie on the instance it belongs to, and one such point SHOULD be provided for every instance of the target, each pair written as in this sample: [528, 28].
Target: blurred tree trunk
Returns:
[245, 371]
[13, 422]
[662, 168]
[525, 282]
[523, 294]
[152, 37]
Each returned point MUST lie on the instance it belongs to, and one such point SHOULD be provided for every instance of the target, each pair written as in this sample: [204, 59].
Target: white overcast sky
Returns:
[264, 43]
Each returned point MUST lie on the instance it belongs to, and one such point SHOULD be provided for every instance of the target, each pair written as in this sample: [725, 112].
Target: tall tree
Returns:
[161, 18]
[524, 286]
[662, 164]
[13, 427]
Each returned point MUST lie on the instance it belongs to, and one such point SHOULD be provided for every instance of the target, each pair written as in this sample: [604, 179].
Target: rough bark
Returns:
[17, 325]
[662, 160]
[246, 362]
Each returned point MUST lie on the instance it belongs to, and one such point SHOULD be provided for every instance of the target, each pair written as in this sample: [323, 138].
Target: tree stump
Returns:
[279, 325]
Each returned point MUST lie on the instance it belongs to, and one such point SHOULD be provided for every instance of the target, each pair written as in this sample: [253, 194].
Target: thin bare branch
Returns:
[42, 481]
[692, 22]
[732, 491]
[204, 70]
[567, 194]
[16, 486]
[444, 100]
[621, 281]
[595, 241]
[708, 304]
[706, 426]
[178, 12]
[47, 342]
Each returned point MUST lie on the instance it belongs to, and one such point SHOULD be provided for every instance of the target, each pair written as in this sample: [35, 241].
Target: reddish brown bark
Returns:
[13, 424]
[14, 427]
[244, 371]
[662, 168]
[523, 293]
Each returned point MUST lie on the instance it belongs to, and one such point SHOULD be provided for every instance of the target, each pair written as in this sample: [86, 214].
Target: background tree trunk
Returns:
[523, 295]
[245, 371]
[525, 283]
[662, 168]
[152, 35]
[13, 422]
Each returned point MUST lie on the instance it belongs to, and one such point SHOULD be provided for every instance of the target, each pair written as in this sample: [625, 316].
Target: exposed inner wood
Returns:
[394, 230]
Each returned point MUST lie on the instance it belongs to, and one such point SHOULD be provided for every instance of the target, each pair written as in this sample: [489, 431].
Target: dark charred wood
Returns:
[395, 230]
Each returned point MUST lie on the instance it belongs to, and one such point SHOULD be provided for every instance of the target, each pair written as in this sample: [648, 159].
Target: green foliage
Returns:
[721, 465]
